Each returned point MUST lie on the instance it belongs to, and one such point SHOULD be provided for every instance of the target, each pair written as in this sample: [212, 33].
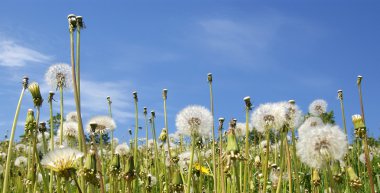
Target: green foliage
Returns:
[56, 122]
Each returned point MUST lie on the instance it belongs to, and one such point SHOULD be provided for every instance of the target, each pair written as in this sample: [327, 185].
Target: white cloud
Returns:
[15, 55]
[94, 102]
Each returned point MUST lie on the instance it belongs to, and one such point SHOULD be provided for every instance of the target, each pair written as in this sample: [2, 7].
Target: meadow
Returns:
[277, 148]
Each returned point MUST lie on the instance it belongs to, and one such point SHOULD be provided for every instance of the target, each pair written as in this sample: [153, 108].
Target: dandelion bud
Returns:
[177, 182]
[359, 80]
[115, 164]
[209, 77]
[90, 170]
[360, 128]
[316, 179]
[354, 179]
[257, 161]
[129, 169]
[34, 89]
[30, 123]
[232, 145]
[163, 135]
[165, 94]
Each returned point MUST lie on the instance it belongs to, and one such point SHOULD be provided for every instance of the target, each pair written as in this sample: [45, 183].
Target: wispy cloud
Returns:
[93, 99]
[15, 55]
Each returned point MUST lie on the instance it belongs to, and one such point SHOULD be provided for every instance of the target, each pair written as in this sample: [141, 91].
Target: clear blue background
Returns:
[271, 51]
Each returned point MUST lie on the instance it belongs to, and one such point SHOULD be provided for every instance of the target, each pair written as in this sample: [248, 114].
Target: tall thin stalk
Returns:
[366, 151]
[50, 101]
[221, 172]
[165, 97]
[266, 159]
[209, 79]
[248, 107]
[9, 155]
[190, 170]
[135, 146]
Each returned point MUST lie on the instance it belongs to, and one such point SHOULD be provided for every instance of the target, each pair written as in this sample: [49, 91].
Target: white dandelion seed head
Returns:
[122, 149]
[194, 120]
[72, 117]
[268, 116]
[184, 159]
[207, 154]
[115, 141]
[2, 155]
[20, 147]
[21, 161]
[317, 107]
[59, 75]
[40, 138]
[319, 145]
[61, 159]
[362, 157]
[293, 114]
[241, 129]
[39, 178]
[310, 123]
[153, 179]
[70, 130]
[104, 124]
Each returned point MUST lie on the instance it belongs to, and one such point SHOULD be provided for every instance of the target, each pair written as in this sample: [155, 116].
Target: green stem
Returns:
[213, 137]
[190, 170]
[82, 140]
[9, 155]
[246, 176]
[156, 161]
[289, 165]
[135, 147]
[266, 162]
[61, 118]
[51, 140]
[295, 162]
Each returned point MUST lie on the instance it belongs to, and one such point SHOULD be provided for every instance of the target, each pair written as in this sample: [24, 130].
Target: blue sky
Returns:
[271, 51]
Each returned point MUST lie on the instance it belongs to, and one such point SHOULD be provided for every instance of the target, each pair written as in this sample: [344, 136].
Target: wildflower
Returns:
[21, 162]
[293, 114]
[320, 145]
[163, 135]
[360, 128]
[34, 89]
[202, 169]
[122, 149]
[40, 138]
[58, 76]
[104, 124]
[184, 159]
[194, 120]
[318, 107]
[241, 128]
[310, 124]
[61, 160]
[362, 157]
[268, 116]
[72, 117]
[70, 130]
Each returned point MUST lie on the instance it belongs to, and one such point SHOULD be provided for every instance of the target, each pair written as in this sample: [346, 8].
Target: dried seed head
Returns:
[135, 95]
[209, 77]
[165, 93]
[340, 94]
[359, 80]
[25, 81]
[145, 111]
[72, 21]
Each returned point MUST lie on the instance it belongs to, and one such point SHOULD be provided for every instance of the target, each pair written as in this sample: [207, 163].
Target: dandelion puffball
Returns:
[194, 120]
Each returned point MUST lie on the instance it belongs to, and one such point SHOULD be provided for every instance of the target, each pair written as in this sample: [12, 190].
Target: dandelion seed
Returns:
[61, 160]
[104, 124]
[122, 149]
[240, 129]
[318, 107]
[268, 116]
[320, 145]
[194, 120]
[362, 157]
[59, 75]
[310, 123]
[293, 114]
[72, 117]
[21, 162]
[184, 160]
